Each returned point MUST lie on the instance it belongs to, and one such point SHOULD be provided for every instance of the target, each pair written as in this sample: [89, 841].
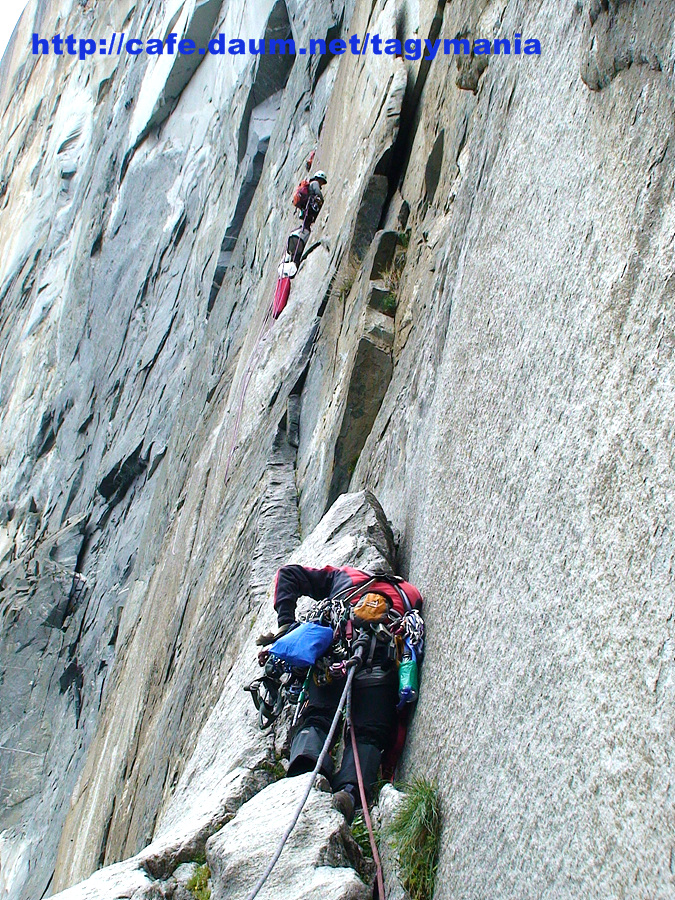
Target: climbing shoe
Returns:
[343, 801]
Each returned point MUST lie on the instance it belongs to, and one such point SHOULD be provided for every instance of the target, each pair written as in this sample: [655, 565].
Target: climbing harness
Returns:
[334, 611]
[366, 624]
[317, 768]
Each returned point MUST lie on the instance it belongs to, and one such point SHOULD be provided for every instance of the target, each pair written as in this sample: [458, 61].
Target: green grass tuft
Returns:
[361, 836]
[415, 833]
[404, 239]
[389, 304]
[198, 885]
[391, 277]
[344, 281]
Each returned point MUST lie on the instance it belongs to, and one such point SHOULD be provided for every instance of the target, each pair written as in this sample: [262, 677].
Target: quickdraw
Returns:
[410, 628]
[278, 685]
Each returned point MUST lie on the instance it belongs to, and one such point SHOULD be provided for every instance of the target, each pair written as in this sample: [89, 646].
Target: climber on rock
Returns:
[308, 200]
[375, 618]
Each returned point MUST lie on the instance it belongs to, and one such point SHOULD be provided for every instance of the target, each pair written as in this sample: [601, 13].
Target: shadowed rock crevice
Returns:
[326, 58]
[369, 214]
[411, 102]
[273, 70]
[432, 172]
[119, 479]
[368, 384]
[198, 30]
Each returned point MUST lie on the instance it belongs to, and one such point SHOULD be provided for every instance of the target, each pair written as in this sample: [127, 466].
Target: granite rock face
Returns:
[481, 334]
[233, 763]
[317, 861]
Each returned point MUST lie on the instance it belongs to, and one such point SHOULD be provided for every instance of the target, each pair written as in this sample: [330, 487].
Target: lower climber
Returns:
[384, 616]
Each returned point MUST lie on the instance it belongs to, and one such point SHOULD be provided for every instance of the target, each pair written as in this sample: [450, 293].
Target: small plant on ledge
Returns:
[198, 885]
[415, 833]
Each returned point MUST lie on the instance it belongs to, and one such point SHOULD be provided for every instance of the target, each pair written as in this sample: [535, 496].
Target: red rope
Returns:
[366, 814]
[253, 358]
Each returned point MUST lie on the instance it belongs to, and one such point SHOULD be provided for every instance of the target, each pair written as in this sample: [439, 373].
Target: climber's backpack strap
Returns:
[402, 594]
[371, 652]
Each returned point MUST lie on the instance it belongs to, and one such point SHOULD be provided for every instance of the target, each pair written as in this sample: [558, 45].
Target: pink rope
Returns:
[366, 815]
[250, 365]
[245, 383]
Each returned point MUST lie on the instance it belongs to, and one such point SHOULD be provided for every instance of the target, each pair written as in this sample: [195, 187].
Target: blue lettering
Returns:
[40, 45]
[217, 45]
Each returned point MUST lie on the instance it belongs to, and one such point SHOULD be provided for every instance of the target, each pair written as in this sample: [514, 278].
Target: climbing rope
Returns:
[246, 378]
[252, 361]
[364, 799]
[366, 814]
[315, 772]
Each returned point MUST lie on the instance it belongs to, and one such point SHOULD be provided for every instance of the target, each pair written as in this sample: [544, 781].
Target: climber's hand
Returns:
[264, 640]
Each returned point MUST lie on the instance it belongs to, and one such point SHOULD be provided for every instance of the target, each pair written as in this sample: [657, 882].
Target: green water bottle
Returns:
[408, 683]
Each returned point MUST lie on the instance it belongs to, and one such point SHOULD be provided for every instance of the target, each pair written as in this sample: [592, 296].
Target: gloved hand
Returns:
[264, 640]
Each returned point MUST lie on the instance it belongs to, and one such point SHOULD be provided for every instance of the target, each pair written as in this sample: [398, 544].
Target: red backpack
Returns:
[301, 195]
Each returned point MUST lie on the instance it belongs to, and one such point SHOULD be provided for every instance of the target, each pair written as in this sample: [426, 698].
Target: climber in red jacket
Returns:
[308, 200]
[375, 692]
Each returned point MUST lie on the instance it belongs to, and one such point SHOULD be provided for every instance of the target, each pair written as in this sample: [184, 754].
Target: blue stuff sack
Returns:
[303, 645]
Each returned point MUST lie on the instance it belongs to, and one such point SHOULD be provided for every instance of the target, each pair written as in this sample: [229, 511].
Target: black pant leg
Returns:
[311, 732]
[374, 699]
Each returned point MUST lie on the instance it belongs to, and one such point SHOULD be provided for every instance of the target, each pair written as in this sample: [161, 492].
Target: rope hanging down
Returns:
[315, 772]
[252, 361]
[366, 814]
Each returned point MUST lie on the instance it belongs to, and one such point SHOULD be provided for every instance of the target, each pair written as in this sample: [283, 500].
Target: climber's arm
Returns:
[299, 581]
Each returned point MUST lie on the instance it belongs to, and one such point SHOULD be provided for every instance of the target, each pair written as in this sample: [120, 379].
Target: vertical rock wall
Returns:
[496, 366]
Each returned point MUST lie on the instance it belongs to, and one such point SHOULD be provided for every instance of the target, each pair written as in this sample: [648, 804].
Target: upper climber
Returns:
[308, 197]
